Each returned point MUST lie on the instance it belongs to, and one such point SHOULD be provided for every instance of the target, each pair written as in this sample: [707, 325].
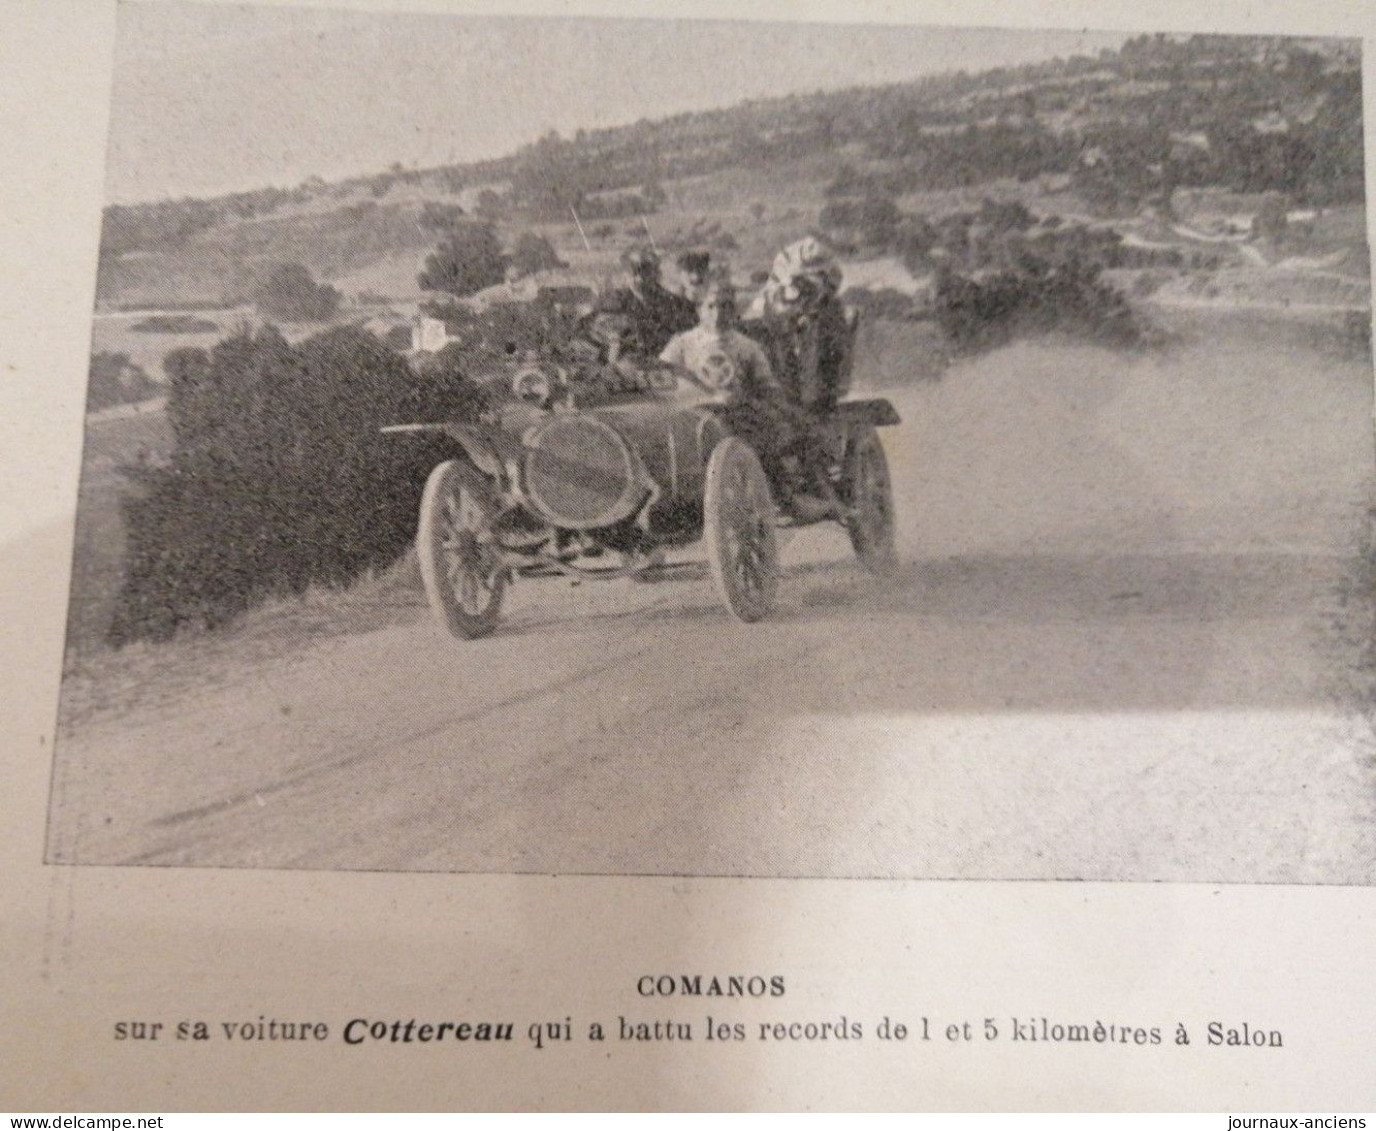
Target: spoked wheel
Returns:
[460, 562]
[870, 493]
[742, 539]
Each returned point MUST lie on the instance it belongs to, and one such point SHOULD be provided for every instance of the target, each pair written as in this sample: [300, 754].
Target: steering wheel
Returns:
[535, 385]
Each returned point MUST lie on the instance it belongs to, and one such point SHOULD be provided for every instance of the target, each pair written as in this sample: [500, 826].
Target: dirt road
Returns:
[1120, 646]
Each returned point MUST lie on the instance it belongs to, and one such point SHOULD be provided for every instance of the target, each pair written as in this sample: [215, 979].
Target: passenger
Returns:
[651, 313]
[803, 269]
[695, 273]
[808, 328]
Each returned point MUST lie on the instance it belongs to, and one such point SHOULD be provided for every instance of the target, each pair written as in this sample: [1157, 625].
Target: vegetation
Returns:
[490, 336]
[175, 324]
[1035, 296]
[290, 294]
[532, 254]
[1128, 127]
[468, 259]
[278, 476]
[116, 380]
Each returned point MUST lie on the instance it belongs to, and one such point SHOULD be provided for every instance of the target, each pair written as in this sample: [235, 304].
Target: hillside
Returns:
[1112, 139]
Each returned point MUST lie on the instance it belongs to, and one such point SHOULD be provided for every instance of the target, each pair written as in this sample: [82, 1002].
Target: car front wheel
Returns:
[460, 562]
[741, 531]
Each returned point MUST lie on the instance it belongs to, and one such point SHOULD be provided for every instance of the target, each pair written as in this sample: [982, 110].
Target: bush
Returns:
[870, 221]
[451, 392]
[884, 303]
[466, 261]
[193, 408]
[1035, 297]
[115, 380]
[440, 218]
[490, 205]
[532, 254]
[175, 324]
[290, 294]
[279, 476]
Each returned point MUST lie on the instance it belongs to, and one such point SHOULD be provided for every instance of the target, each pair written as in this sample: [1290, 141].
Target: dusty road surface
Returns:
[1122, 644]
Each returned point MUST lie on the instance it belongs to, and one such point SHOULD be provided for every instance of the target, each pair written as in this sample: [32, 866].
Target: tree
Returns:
[533, 253]
[292, 295]
[467, 260]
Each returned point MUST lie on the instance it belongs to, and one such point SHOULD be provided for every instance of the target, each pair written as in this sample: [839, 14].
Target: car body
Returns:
[596, 469]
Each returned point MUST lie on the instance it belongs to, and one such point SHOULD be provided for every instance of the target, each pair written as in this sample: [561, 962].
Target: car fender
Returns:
[878, 412]
[485, 449]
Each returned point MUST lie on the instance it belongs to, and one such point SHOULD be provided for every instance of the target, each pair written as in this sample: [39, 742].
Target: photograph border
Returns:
[87, 946]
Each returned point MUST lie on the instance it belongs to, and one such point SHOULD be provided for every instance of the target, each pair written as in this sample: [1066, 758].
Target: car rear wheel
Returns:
[460, 562]
[741, 532]
[870, 492]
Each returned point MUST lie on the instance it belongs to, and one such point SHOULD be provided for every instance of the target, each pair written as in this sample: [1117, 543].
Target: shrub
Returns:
[193, 409]
[290, 294]
[278, 477]
[115, 380]
[490, 205]
[532, 254]
[884, 303]
[870, 221]
[440, 218]
[466, 261]
[489, 337]
[1035, 297]
[175, 324]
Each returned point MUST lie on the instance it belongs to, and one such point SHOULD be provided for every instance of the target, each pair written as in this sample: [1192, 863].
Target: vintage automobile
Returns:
[595, 469]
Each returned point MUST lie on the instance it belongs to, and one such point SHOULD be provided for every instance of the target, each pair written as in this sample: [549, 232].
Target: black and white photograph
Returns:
[678, 447]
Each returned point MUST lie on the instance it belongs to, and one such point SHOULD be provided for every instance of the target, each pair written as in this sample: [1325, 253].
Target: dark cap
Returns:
[640, 259]
[695, 262]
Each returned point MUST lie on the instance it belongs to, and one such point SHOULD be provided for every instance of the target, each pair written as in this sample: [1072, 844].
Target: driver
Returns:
[732, 370]
[716, 357]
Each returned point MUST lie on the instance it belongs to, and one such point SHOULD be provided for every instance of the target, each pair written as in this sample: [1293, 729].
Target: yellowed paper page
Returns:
[1028, 764]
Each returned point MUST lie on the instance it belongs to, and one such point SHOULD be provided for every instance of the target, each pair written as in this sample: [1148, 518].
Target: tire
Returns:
[869, 490]
[460, 565]
[741, 533]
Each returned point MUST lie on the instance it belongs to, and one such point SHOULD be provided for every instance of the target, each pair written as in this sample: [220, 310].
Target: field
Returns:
[113, 333]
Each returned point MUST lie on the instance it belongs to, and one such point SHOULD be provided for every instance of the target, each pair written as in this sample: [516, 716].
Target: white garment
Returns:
[726, 361]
